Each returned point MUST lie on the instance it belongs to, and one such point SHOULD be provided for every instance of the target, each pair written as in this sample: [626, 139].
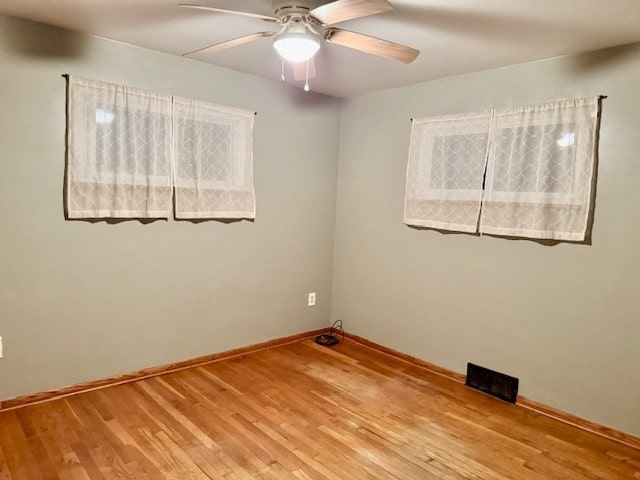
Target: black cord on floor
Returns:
[331, 338]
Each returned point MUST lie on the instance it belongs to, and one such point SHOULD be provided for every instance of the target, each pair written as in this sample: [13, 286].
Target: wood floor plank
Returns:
[4, 467]
[300, 411]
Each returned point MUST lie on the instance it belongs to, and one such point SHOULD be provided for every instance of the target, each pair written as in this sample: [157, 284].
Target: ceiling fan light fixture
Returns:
[297, 47]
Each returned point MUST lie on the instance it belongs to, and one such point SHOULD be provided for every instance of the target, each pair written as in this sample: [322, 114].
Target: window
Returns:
[132, 136]
[444, 178]
[538, 160]
[119, 151]
[213, 161]
[540, 170]
[129, 149]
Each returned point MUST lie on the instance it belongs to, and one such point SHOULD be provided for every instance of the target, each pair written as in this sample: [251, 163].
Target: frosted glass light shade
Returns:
[297, 47]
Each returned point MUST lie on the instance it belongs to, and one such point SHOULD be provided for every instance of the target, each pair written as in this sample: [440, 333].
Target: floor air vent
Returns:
[494, 383]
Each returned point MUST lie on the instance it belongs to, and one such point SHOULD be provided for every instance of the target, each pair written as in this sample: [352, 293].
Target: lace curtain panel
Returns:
[540, 170]
[119, 152]
[213, 160]
[536, 163]
[129, 149]
[447, 159]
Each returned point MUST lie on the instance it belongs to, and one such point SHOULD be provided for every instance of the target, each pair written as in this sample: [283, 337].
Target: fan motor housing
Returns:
[294, 7]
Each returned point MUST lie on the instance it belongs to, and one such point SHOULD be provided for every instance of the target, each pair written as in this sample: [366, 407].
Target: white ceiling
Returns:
[454, 36]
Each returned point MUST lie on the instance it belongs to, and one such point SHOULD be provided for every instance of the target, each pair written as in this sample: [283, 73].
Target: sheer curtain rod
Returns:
[66, 75]
[599, 96]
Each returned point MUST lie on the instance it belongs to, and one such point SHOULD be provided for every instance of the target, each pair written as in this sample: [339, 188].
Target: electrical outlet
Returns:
[312, 299]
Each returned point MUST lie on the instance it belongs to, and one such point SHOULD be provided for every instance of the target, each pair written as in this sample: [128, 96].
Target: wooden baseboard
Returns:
[35, 398]
[589, 426]
[565, 417]
[444, 372]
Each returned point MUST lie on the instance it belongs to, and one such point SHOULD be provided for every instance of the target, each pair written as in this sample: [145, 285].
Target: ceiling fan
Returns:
[304, 24]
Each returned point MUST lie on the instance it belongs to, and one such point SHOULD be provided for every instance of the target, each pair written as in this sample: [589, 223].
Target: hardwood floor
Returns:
[300, 411]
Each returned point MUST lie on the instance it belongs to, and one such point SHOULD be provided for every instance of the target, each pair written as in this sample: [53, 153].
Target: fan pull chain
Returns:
[282, 74]
[306, 85]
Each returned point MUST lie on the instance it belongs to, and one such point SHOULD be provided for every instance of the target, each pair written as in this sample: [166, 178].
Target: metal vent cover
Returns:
[494, 383]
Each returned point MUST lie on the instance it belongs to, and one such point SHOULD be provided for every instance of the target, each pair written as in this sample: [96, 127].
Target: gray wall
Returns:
[81, 301]
[563, 318]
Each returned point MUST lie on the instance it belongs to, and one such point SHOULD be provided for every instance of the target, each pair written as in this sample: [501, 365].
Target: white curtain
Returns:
[539, 164]
[119, 151]
[447, 159]
[213, 154]
[540, 170]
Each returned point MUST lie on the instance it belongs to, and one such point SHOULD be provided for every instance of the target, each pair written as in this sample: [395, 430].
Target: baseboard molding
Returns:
[582, 423]
[49, 395]
[523, 402]
[443, 372]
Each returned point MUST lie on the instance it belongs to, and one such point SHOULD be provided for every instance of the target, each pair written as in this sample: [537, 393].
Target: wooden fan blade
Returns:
[233, 12]
[375, 46]
[300, 70]
[228, 44]
[344, 10]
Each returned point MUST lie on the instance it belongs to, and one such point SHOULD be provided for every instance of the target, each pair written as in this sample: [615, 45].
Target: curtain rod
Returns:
[599, 96]
[66, 75]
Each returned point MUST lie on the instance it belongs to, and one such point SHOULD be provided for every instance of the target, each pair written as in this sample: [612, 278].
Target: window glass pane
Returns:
[119, 151]
[458, 161]
[537, 158]
[214, 161]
